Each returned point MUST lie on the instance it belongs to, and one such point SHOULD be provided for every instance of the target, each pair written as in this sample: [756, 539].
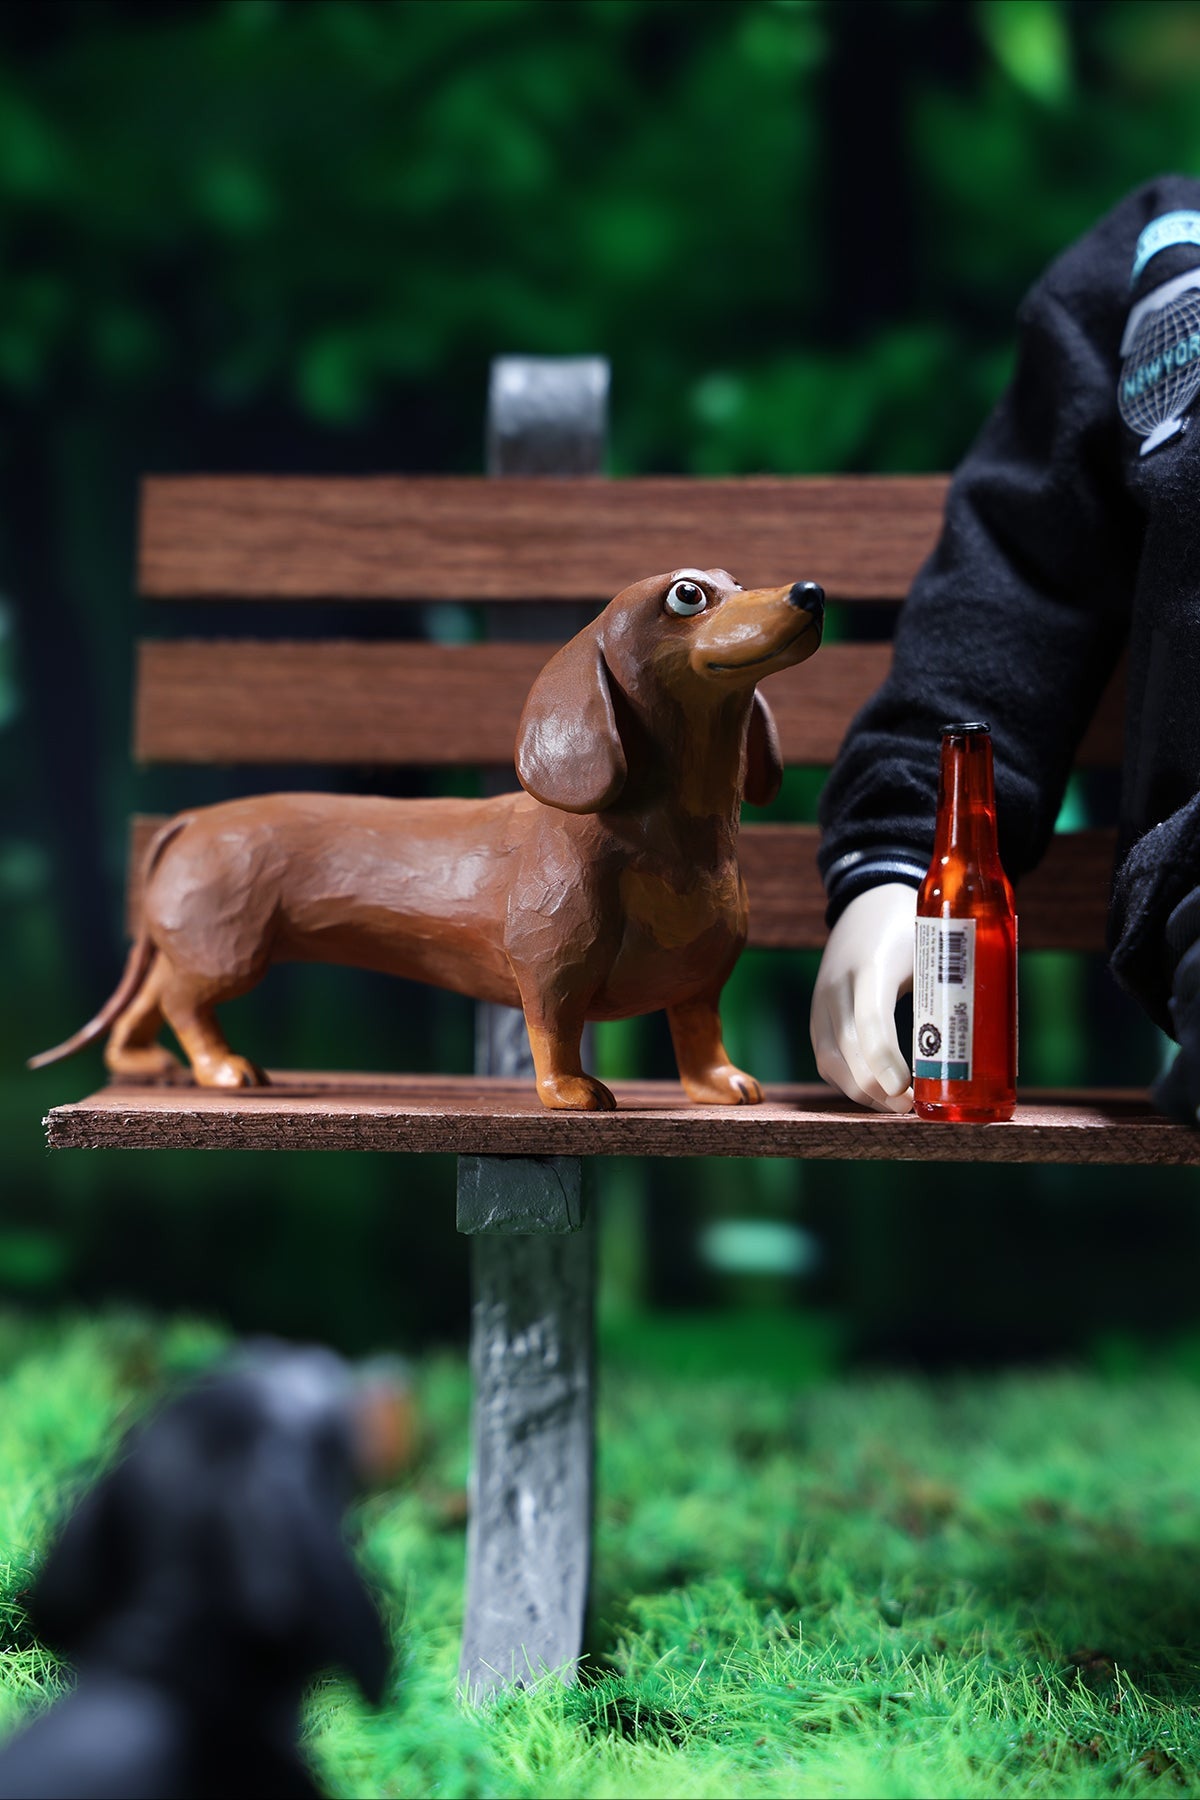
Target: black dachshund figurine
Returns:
[198, 1589]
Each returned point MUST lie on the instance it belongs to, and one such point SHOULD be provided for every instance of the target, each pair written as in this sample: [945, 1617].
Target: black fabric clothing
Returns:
[1177, 1092]
[1063, 543]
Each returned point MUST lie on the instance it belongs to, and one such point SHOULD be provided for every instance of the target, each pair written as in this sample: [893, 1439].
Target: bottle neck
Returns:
[966, 820]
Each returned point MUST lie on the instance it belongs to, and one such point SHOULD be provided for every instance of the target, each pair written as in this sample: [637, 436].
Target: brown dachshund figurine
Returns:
[609, 888]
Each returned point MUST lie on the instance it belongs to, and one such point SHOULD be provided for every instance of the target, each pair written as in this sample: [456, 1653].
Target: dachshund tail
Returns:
[136, 966]
[135, 973]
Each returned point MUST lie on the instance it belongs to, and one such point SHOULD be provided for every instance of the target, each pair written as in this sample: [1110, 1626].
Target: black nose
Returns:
[810, 596]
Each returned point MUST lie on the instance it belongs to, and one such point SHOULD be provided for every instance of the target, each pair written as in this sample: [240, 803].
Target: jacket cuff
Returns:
[852, 874]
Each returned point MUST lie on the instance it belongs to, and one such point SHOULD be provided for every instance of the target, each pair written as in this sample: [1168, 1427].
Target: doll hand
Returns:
[867, 965]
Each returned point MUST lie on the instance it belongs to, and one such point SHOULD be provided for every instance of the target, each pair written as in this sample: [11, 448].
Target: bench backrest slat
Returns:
[245, 701]
[563, 538]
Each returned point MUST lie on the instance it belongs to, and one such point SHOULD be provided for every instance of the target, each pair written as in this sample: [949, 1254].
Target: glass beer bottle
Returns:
[965, 969]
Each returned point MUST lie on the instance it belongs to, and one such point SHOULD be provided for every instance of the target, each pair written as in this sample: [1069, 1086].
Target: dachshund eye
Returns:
[686, 599]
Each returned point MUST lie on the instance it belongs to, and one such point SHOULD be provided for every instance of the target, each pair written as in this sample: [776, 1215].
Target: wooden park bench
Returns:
[534, 543]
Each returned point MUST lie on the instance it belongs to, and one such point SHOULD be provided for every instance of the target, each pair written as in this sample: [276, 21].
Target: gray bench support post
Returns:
[533, 1250]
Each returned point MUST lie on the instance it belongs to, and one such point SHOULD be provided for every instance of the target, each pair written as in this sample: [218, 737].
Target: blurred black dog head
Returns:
[201, 1584]
[220, 1531]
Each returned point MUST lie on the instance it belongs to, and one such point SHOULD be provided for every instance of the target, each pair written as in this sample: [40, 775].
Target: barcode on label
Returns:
[943, 999]
[952, 958]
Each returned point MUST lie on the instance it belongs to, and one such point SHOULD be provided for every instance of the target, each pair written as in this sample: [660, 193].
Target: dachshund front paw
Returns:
[576, 1093]
[722, 1086]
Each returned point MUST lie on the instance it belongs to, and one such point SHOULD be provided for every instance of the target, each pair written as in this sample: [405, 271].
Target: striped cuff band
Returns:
[859, 870]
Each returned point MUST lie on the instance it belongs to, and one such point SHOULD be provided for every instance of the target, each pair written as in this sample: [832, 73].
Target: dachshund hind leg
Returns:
[131, 1049]
[708, 1076]
[195, 1025]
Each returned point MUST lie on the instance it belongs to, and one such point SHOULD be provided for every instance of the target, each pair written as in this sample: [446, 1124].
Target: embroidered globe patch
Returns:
[1160, 376]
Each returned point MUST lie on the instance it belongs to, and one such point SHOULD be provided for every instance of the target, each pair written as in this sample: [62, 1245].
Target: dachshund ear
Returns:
[569, 751]
[764, 758]
[86, 1571]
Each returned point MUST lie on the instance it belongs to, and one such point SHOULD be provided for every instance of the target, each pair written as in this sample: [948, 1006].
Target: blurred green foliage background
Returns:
[274, 235]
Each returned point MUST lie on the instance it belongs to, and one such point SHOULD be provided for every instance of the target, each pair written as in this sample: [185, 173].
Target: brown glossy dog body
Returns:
[609, 888]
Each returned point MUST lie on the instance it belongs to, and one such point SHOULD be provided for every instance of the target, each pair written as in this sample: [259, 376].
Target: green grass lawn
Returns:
[807, 1583]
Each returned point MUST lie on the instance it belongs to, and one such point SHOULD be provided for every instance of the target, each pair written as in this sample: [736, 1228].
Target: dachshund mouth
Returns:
[752, 662]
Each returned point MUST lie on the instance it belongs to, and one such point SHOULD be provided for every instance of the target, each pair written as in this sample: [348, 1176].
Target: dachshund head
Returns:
[693, 636]
[703, 627]
[221, 1528]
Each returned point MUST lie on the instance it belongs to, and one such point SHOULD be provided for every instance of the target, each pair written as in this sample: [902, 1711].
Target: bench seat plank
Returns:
[491, 1116]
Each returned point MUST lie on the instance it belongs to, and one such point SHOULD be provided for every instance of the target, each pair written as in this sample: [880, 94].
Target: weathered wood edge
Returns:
[494, 1117]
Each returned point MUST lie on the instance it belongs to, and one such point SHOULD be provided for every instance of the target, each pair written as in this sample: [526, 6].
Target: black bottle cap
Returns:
[962, 730]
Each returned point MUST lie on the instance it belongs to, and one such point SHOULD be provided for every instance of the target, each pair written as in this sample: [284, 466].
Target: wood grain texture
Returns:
[1062, 905]
[526, 538]
[492, 1116]
[245, 701]
[248, 701]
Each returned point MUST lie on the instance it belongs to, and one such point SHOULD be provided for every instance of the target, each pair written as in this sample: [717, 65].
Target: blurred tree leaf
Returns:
[32, 1259]
[1030, 42]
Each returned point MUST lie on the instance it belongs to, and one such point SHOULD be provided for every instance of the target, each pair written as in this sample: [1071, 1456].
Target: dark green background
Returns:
[264, 235]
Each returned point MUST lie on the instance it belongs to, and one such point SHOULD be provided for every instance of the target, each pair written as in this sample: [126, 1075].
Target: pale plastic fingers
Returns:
[840, 1056]
[875, 1029]
[867, 965]
[841, 1064]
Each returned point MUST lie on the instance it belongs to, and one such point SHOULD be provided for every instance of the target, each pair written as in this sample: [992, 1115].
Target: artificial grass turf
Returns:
[807, 1583]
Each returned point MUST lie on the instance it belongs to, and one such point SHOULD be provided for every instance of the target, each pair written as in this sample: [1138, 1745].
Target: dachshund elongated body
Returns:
[609, 888]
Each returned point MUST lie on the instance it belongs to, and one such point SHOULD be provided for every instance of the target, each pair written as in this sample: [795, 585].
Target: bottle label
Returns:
[944, 999]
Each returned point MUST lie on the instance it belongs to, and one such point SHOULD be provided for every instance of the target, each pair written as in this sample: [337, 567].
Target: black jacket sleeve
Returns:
[1019, 615]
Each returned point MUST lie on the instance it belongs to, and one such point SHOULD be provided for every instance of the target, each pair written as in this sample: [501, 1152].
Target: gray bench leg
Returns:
[533, 1256]
[532, 1359]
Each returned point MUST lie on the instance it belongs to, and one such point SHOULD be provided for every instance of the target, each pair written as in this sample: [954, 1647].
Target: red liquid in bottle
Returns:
[965, 979]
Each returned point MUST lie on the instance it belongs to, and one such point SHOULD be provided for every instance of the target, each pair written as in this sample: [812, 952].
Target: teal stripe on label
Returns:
[1161, 234]
[941, 1071]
